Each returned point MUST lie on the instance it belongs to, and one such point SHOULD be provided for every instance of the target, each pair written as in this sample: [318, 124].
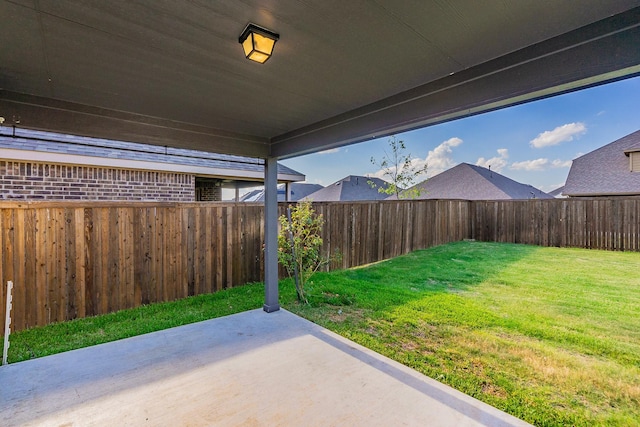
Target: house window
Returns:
[634, 161]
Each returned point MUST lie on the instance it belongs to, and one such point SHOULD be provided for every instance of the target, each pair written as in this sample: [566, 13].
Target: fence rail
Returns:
[70, 260]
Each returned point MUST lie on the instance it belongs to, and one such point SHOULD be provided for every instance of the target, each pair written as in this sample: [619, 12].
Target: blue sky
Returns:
[532, 143]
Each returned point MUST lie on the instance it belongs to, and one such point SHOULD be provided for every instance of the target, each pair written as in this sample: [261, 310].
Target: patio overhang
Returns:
[173, 74]
[603, 52]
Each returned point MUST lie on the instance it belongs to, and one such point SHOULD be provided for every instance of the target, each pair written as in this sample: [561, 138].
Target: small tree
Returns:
[400, 170]
[300, 244]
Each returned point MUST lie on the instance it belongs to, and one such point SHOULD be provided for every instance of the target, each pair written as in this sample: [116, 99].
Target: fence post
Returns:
[7, 324]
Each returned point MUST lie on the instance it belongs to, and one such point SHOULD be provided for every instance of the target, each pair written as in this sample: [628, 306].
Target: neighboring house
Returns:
[470, 182]
[349, 189]
[557, 193]
[297, 191]
[46, 166]
[612, 170]
[253, 194]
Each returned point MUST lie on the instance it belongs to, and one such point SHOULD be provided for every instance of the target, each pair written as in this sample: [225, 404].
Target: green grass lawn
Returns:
[549, 335]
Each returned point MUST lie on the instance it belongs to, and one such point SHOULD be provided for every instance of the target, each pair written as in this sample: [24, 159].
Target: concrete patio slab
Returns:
[251, 368]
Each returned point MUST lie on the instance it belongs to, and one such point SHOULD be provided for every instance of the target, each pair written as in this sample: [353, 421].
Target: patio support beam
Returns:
[271, 235]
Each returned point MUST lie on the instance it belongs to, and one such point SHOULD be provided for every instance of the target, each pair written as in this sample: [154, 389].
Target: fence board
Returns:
[28, 285]
[90, 289]
[19, 294]
[40, 305]
[68, 236]
[6, 262]
[113, 287]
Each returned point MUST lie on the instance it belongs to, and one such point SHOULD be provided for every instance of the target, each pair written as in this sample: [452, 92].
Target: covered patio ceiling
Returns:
[173, 73]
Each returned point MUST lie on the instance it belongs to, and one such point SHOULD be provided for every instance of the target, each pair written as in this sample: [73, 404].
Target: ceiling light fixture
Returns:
[258, 43]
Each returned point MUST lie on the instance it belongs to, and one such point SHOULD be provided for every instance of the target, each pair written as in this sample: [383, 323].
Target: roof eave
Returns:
[79, 160]
[630, 193]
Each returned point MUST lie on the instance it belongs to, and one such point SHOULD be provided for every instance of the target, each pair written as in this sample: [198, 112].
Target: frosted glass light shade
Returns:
[258, 43]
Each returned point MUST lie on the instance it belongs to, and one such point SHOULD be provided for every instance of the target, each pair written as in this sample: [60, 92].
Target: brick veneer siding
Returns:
[41, 181]
[208, 190]
[208, 194]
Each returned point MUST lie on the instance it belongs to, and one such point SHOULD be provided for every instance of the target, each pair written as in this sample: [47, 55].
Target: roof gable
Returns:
[350, 188]
[558, 192]
[605, 171]
[471, 182]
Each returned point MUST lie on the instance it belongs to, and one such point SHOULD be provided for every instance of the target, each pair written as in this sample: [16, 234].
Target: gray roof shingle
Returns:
[31, 140]
[605, 171]
[470, 182]
[349, 189]
[299, 190]
[557, 193]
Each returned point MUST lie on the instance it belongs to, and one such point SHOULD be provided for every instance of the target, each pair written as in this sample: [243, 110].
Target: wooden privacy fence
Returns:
[70, 261]
[609, 224]
[366, 232]
[73, 260]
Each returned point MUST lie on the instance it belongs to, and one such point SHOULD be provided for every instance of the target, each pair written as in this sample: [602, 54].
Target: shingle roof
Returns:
[348, 189]
[252, 195]
[299, 190]
[558, 192]
[605, 171]
[31, 140]
[470, 182]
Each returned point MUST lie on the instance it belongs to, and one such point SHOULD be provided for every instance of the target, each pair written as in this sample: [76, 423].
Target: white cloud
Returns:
[560, 134]
[497, 163]
[540, 164]
[379, 174]
[438, 160]
[420, 163]
[530, 165]
[557, 163]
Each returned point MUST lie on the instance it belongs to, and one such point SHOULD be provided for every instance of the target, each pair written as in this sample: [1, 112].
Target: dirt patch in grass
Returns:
[343, 314]
[572, 382]
[493, 390]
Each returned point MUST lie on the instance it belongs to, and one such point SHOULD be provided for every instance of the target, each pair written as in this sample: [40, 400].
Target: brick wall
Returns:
[208, 194]
[208, 190]
[40, 181]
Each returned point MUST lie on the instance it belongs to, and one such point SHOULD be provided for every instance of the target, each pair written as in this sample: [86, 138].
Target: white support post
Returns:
[7, 323]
